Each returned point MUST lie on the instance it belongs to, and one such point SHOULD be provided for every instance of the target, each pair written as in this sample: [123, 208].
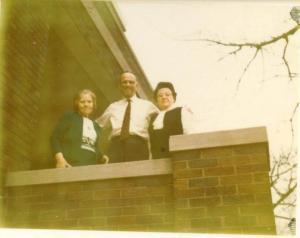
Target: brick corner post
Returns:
[221, 182]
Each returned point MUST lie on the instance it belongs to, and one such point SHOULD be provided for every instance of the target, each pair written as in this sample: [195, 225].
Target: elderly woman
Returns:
[75, 138]
[171, 120]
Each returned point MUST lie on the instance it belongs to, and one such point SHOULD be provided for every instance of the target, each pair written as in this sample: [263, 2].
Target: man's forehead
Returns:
[128, 76]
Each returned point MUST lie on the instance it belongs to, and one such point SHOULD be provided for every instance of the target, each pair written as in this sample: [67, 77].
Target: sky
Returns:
[165, 37]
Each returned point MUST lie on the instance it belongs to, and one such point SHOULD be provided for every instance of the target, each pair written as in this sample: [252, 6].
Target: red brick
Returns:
[120, 202]
[262, 177]
[182, 224]
[148, 200]
[162, 208]
[263, 198]
[160, 227]
[134, 192]
[266, 220]
[181, 203]
[260, 230]
[136, 210]
[190, 213]
[238, 199]
[188, 173]
[256, 209]
[252, 168]
[219, 171]
[181, 183]
[224, 190]
[236, 179]
[53, 215]
[225, 230]
[218, 152]
[93, 203]
[259, 159]
[204, 182]
[234, 160]
[83, 195]
[259, 148]
[92, 222]
[30, 199]
[185, 155]
[253, 188]
[189, 193]
[107, 194]
[122, 220]
[204, 202]
[177, 165]
[19, 191]
[149, 219]
[222, 211]
[203, 163]
[241, 221]
[206, 222]
[80, 213]
[107, 212]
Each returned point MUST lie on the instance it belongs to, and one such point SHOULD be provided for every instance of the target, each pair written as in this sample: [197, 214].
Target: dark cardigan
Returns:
[67, 136]
[159, 139]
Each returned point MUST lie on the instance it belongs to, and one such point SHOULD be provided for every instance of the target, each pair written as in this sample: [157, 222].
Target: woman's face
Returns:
[164, 98]
[85, 105]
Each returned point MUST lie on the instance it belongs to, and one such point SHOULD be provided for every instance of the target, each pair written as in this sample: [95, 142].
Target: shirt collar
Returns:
[132, 99]
[170, 108]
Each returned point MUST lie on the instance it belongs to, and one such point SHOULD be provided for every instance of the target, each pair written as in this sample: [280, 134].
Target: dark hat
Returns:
[165, 85]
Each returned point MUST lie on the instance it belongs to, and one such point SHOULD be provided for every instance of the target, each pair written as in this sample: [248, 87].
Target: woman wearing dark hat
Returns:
[171, 120]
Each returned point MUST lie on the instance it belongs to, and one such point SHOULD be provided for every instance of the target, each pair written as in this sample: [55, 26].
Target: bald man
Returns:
[128, 120]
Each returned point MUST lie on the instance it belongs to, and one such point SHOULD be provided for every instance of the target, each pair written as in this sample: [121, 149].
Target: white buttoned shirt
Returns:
[187, 119]
[141, 110]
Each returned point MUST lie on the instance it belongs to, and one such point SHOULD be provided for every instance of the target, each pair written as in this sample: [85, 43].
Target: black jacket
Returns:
[67, 138]
[159, 139]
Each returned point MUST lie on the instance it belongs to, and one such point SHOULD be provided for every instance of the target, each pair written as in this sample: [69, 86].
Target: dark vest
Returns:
[159, 139]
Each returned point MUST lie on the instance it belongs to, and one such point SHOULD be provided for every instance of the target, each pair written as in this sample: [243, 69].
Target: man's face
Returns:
[128, 85]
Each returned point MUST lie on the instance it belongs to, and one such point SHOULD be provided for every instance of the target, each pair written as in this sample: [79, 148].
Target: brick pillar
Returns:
[223, 185]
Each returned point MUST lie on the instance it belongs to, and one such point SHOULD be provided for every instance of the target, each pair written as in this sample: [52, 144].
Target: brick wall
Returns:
[209, 189]
[25, 50]
[143, 203]
[223, 190]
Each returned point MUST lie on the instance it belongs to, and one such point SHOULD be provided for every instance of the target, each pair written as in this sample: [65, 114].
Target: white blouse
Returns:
[187, 119]
[89, 135]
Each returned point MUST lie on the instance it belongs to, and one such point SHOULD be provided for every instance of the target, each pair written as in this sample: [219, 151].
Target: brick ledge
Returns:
[90, 172]
[218, 139]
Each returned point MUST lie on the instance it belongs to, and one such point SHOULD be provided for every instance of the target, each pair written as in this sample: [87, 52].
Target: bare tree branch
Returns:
[285, 195]
[246, 68]
[282, 217]
[258, 47]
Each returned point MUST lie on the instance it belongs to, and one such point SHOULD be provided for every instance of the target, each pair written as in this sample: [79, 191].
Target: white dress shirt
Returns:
[187, 119]
[141, 111]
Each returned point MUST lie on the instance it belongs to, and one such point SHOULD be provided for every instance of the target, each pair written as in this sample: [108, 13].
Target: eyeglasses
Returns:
[164, 95]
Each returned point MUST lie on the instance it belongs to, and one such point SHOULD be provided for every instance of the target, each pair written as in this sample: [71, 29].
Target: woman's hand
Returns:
[61, 161]
[105, 159]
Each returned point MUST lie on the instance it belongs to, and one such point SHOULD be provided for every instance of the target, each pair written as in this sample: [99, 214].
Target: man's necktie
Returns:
[126, 121]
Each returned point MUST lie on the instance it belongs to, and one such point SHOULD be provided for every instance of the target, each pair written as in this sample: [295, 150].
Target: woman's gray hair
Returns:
[78, 96]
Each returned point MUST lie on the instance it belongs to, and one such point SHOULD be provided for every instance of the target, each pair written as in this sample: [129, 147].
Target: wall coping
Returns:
[138, 168]
[90, 172]
[218, 139]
